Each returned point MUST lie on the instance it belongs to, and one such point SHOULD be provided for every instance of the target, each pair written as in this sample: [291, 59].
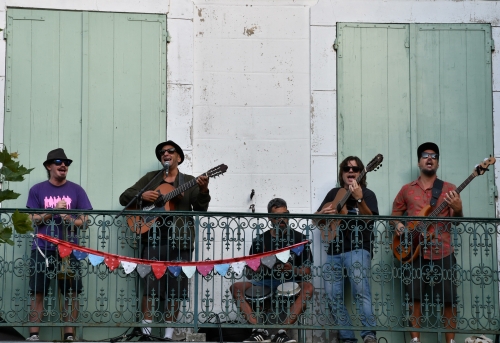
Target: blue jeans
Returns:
[357, 264]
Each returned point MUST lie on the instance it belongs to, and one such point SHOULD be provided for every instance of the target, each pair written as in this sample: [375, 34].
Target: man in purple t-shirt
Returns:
[55, 194]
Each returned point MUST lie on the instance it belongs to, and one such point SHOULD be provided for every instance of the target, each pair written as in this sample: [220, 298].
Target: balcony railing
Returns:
[109, 299]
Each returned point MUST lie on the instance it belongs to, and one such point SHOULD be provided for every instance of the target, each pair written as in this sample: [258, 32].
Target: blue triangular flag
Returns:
[298, 250]
[175, 270]
[95, 260]
[80, 255]
[222, 268]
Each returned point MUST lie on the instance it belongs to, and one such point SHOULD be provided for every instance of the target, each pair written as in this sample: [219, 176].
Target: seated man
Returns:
[295, 270]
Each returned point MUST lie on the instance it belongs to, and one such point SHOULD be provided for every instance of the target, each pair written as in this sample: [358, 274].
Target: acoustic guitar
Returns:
[342, 197]
[407, 247]
[142, 224]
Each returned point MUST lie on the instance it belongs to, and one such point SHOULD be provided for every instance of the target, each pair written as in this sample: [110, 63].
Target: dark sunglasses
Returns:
[354, 169]
[170, 151]
[60, 162]
[431, 155]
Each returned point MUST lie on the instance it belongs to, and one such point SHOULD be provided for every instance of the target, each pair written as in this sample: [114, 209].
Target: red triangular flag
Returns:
[112, 263]
[158, 269]
[64, 250]
[205, 270]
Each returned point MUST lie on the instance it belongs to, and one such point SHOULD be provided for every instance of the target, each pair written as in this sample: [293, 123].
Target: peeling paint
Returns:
[200, 10]
[250, 31]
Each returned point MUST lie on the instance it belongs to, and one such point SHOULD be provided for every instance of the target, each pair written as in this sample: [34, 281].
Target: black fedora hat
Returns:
[172, 143]
[56, 154]
[427, 146]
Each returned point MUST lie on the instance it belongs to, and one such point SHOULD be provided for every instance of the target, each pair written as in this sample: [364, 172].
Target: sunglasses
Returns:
[354, 169]
[428, 154]
[60, 162]
[170, 151]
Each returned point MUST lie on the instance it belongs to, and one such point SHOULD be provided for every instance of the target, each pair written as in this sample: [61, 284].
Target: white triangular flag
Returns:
[283, 256]
[128, 267]
[238, 267]
[189, 271]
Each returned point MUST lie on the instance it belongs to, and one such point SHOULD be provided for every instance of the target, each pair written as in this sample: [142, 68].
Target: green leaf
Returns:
[15, 174]
[22, 222]
[5, 234]
[8, 194]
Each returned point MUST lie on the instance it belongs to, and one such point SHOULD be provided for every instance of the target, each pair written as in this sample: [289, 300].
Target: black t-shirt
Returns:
[353, 234]
[266, 242]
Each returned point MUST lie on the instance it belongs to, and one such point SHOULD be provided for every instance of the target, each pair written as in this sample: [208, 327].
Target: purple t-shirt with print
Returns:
[45, 195]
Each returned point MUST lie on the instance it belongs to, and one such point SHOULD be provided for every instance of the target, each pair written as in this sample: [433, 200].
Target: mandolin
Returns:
[406, 247]
[342, 197]
[142, 224]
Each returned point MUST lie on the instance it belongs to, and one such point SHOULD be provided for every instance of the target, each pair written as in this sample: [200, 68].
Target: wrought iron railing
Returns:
[111, 297]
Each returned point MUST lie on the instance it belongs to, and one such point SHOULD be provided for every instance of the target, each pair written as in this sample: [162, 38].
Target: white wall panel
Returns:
[180, 51]
[180, 115]
[323, 58]
[323, 123]
[495, 59]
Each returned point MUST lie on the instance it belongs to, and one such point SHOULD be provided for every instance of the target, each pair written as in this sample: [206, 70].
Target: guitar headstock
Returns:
[375, 163]
[219, 170]
[481, 168]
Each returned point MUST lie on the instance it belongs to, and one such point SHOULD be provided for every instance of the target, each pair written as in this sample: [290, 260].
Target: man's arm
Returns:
[149, 195]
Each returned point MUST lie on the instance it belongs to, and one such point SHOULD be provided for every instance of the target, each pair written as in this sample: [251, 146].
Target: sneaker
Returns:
[258, 335]
[70, 338]
[33, 338]
[370, 339]
[282, 337]
[416, 340]
[146, 338]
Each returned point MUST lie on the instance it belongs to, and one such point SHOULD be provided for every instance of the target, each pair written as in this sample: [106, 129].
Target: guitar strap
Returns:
[437, 188]
[181, 179]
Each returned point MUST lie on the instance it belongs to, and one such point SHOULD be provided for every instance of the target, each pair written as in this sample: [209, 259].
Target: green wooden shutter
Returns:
[373, 85]
[93, 83]
[452, 105]
[402, 85]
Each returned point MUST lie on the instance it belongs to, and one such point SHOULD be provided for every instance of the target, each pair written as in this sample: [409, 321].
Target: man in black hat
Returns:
[57, 193]
[437, 252]
[172, 238]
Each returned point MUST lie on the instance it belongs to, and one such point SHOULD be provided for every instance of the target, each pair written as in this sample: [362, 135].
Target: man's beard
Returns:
[428, 172]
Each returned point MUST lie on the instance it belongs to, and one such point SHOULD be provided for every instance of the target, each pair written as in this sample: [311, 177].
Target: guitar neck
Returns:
[182, 188]
[348, 193]
[460, 188]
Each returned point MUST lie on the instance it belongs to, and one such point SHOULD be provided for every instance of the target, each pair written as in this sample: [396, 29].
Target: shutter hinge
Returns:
[492, 45]
[5, 35]
[169, 37]
[335, 44]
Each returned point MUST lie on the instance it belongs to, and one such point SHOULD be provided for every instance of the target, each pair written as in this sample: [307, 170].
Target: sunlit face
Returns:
[57, 172]
[170, 155]
[350, 176]
[428, 165]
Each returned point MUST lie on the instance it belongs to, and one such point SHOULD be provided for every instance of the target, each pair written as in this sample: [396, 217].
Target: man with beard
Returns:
[57, 193]
[173, 238]
[351, 250]
[297, 269]
[437, 252]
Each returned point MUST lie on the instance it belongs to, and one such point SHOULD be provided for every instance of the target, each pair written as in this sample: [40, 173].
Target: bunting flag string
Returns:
[159, 268]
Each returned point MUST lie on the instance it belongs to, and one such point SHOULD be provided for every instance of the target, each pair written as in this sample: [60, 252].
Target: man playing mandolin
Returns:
[349, 247]
[172, 238]
[437, 252]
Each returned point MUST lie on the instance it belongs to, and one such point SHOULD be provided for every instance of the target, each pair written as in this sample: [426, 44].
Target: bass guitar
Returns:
[142, 224]
[328, 234]
[407, 246]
